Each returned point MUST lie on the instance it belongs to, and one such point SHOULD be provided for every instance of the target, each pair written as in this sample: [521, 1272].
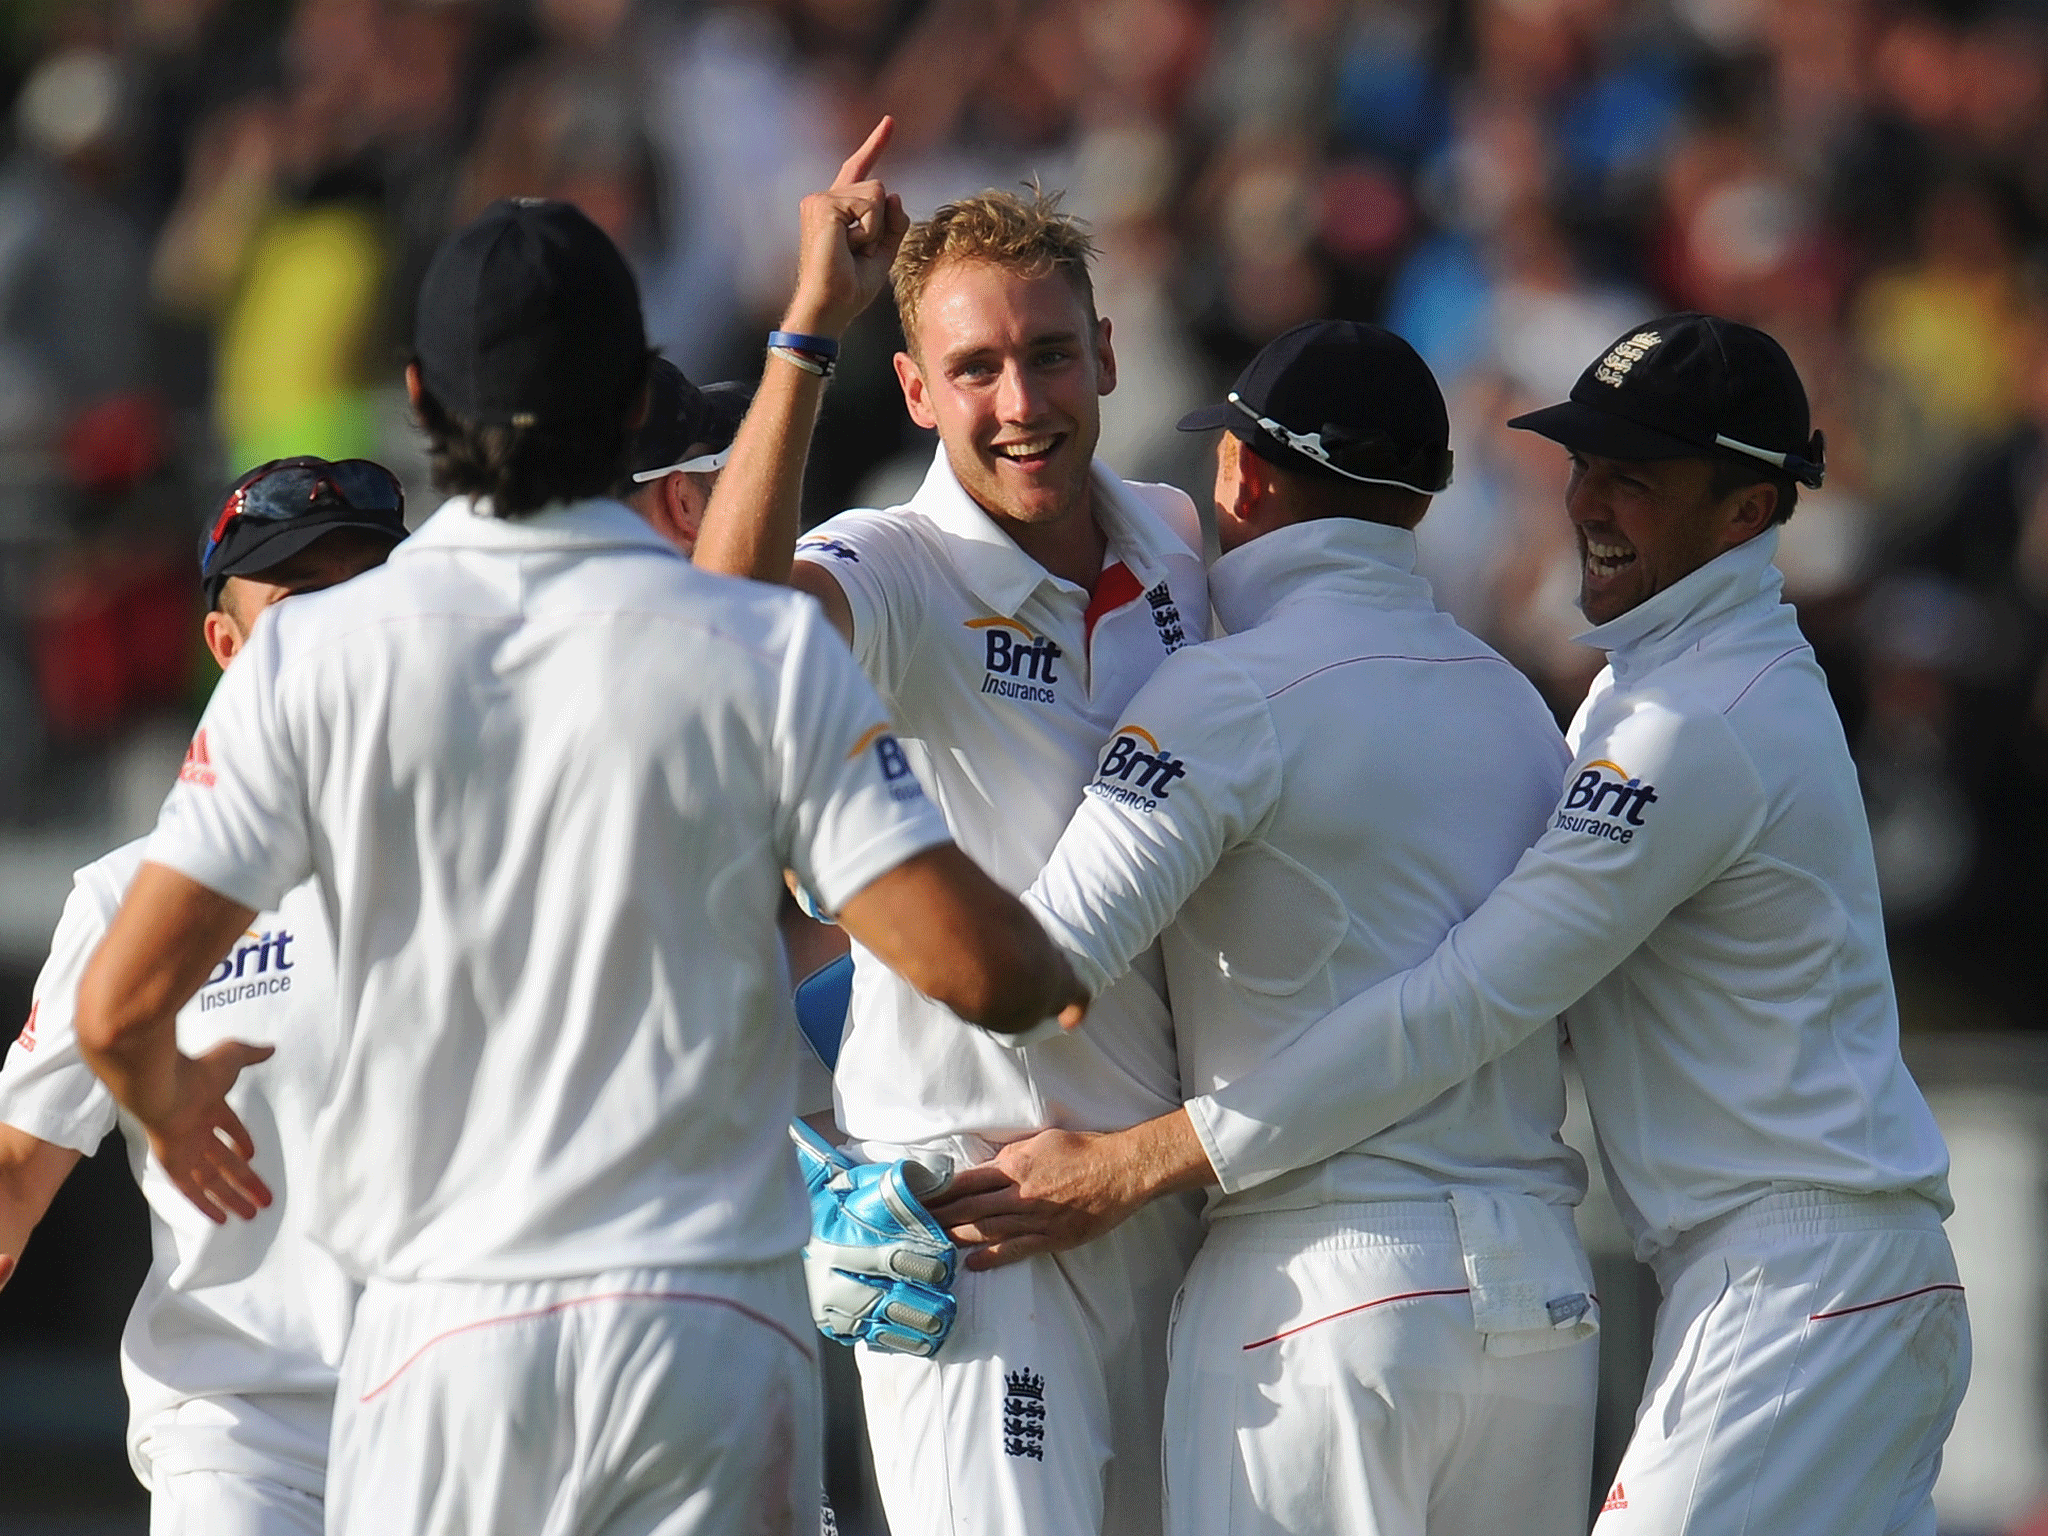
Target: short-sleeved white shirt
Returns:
[1004, 681]
[547, 775]
[252, 1308]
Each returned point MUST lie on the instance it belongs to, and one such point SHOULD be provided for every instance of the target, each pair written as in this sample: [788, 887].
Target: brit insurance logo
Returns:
[1017, 663]
[257, 967]
[1135, 770]
[825, 544]
[889, 757]
[1605, 801]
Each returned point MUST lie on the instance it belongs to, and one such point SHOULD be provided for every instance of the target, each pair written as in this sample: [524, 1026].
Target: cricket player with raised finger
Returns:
[1702, 908]
[547, 776]
[1006, 614]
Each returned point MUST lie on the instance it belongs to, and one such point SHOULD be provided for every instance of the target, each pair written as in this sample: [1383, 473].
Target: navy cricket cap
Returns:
[279, 508]
[1690, 386]
[1341, 400]
[680, 416]
[530, 316]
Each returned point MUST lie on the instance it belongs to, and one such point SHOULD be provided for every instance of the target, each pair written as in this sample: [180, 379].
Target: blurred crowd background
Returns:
[214, 215]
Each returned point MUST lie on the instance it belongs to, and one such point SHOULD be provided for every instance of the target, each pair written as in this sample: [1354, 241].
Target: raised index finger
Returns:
[861, 163]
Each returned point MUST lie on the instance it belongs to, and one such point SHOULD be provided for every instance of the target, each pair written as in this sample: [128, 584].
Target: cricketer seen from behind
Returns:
[546, 776]
[1702, 909]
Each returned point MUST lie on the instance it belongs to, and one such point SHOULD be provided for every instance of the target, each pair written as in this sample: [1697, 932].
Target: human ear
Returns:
[915, 399]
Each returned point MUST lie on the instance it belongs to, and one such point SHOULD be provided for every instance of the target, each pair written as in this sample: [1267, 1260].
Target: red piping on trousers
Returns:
[577, 1301]
[1887, 1302]
[1364, 1306]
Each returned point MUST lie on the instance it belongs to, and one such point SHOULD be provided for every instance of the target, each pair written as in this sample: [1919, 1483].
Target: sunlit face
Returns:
[1010, 371]
[1643, 524]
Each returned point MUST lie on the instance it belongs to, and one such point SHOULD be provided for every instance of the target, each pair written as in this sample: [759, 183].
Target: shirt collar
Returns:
[1370, 561]
[1673, 620]
[1001, 575]
[598, 523]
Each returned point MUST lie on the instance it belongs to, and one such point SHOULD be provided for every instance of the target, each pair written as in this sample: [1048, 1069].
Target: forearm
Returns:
[1163, 1157]
[751, 524]
[960, 939]
[169, 933]
[31, 1172]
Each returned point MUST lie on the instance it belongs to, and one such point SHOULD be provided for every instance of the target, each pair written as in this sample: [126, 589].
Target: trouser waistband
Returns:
[1789, 1213]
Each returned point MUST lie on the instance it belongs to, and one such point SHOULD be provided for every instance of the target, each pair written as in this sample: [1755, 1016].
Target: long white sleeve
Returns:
[1624, 848]
[1193, 771]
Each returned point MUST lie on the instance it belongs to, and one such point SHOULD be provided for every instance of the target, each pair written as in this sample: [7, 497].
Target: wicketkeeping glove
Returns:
[880, 1269]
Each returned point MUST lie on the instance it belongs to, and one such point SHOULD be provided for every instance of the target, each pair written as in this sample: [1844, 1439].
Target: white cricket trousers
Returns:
[1041, 1415]
[1326, 1378]
[665, 1402]
[230, 1504]
[1810, 1354]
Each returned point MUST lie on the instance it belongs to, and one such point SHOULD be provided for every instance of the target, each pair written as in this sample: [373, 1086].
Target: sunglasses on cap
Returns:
[286, 489]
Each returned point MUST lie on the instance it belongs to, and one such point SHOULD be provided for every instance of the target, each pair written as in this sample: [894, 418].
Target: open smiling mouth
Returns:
[1604, 560]
[1029, 452]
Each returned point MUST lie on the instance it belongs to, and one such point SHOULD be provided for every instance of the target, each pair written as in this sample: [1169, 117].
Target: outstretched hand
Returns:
[1047, 1193]
[202, 1144]
[850, 234]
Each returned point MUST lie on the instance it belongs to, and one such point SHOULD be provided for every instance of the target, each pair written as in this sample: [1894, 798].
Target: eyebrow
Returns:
[1044, 339]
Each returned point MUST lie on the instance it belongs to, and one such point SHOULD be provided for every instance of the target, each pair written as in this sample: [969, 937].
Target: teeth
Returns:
[1606, 559]
[1026, 450]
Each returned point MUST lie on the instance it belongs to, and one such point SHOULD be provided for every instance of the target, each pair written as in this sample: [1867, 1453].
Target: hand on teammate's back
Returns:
[202, 1143]
[849, 234]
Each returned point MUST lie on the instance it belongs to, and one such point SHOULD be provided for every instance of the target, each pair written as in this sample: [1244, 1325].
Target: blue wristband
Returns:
[818, 346]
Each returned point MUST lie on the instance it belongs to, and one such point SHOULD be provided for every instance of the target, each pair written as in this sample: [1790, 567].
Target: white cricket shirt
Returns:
[548, 775]
[1004, 682]
[1702, 907]
[1305, 807]
[250, 1309]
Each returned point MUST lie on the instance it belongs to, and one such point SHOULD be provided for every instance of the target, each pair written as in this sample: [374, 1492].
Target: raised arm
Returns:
[170, 932]
[850, 233]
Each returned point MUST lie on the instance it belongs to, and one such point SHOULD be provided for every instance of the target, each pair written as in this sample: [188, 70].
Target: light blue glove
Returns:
[880, 1269]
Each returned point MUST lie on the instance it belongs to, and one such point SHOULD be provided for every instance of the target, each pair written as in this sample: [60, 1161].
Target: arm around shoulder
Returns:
[1651, 812]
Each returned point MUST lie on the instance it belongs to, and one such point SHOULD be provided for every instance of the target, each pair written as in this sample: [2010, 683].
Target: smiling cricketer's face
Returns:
[1643, 524]
[1010, 370]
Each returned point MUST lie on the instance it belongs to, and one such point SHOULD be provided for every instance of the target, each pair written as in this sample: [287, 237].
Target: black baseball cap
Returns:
[1341, 400]
[680, 416]
[279, 508]
[1690, 386]
[530, 316]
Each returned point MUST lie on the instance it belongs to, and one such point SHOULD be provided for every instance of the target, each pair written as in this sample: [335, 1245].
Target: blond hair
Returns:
[1030, 236]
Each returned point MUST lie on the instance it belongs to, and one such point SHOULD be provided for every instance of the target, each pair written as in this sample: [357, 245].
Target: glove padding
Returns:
[879, 1269]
